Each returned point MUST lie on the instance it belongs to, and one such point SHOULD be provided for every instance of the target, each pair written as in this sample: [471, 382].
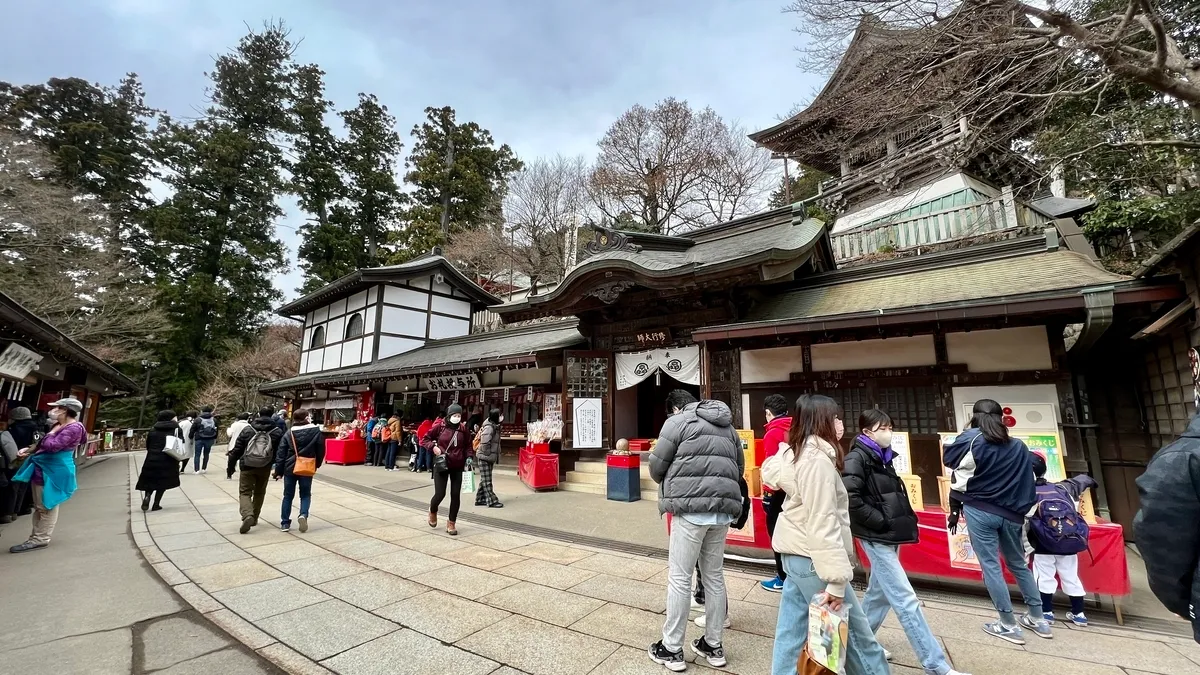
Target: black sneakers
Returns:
[665, 657]
[714, 655]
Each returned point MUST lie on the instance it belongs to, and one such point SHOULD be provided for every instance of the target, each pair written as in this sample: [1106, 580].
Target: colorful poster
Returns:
[962, 555]
[747, 438]
[903, 459]
[1048, 445]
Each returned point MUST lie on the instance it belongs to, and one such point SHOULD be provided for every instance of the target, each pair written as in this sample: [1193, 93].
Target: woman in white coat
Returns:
[813, 537]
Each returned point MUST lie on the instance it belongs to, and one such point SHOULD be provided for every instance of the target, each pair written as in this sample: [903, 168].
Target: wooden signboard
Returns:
[1086, 508]
[944, 492]
[912, 485]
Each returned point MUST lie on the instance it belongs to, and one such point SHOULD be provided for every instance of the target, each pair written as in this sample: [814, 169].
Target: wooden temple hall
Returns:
[937, 268]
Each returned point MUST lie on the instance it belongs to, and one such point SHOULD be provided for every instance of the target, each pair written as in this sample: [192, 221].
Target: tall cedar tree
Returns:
[370, 156]
[219, 252]
[92, 162]
[471, 185]
[328, 249]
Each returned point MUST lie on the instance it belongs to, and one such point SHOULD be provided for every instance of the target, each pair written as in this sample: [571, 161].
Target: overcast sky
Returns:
[544, 76]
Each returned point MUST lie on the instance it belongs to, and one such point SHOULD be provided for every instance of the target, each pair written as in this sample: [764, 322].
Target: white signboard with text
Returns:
[16, 362]
[588, 423]
[452, 382]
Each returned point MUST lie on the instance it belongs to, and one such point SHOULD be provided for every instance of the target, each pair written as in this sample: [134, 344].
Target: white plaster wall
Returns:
[403, 321]
[352, 352]
[1003, 350]
[898, 352]
[444, 327]
[771, 365]
[406, 297]
[335, 330]
[452, 306]
[368, 346]
[390, 346]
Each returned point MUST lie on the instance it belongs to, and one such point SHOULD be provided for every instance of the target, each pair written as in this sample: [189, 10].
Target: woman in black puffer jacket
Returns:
[160, 471]
[882, 519]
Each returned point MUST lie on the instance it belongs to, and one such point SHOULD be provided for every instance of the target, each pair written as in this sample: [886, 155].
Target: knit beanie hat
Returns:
[19, 413]
[454, 409]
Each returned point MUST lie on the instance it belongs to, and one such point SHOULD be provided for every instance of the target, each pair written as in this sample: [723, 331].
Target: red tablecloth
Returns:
[349, 451]
[538, 470]
[1103, 569]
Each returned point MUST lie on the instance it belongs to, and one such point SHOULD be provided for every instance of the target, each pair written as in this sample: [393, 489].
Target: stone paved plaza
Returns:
[370, 588]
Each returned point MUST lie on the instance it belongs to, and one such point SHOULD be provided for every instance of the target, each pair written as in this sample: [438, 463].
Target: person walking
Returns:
[1165, 526]
[1052, 566]
[394, 434]
[815, 537]
[698, 463]
[158, 472]
[235, 429]
[256, 449]
[993, 486]
[304, 440]
[882, 519]
[448, 438]
[369, 432]
[488, 455]
[203, 434]
[185, 428]
[22, 432]
[49, 468]
[778, 424]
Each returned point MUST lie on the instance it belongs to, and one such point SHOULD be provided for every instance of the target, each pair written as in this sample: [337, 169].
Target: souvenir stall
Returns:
[537, 461]
[348, 443]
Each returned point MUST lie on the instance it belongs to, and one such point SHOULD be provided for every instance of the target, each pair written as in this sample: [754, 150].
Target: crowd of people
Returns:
[821, 495]
[266, 448]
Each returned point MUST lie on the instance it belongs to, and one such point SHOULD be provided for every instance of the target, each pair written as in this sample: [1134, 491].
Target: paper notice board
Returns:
[588, 427]
[902, 461]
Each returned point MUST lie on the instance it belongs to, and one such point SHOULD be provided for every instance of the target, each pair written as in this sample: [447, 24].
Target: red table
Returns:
[348, 451]
[537, 467]
[1103, 569]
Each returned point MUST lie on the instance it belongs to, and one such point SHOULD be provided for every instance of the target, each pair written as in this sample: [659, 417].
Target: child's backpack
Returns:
[1056, 528]
[386, 435]
[377, 431]
[258, 451]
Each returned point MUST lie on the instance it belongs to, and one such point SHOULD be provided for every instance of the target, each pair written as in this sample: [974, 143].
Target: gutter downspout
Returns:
[1099, 303]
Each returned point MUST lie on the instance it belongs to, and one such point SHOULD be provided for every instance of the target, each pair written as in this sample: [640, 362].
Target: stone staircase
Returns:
[591, 476]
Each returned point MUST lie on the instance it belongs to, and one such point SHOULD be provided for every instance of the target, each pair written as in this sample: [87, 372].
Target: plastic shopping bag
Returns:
[828, 636]
[468, 482]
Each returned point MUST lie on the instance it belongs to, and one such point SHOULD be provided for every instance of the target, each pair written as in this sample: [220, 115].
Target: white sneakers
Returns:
[702, 621]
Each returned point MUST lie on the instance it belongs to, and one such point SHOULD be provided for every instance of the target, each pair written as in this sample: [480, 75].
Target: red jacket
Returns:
[777, 432]
[422, 430]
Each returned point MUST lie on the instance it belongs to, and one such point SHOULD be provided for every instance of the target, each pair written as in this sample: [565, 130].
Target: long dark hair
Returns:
[988, 417]
[816, 415]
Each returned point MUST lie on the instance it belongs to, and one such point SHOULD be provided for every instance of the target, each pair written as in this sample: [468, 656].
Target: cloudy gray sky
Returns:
[545, 76]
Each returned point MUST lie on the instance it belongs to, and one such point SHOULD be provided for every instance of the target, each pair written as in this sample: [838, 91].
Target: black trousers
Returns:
[773, 505]
[453, 477]
[158, 495]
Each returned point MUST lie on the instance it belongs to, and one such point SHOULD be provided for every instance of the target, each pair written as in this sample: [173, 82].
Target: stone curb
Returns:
[266, 646]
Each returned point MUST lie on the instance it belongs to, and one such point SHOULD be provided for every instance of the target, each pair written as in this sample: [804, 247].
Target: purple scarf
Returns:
[884, 454]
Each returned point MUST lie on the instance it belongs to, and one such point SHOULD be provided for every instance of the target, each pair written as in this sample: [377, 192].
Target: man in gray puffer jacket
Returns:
[698, 463]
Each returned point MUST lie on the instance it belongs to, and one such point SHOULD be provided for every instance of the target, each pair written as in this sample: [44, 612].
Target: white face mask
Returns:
[54, 414]
[839, 428]
[455, 419]
[882, 438]
[502, 418]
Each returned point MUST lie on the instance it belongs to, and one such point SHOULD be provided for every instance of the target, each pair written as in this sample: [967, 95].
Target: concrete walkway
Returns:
[370, 588]
[91, 604]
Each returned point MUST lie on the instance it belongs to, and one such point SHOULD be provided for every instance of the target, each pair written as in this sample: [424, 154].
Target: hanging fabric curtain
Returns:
[681, 363]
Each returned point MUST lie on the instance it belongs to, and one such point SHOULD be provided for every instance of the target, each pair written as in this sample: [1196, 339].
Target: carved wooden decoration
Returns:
[608, 239]
[609, 292]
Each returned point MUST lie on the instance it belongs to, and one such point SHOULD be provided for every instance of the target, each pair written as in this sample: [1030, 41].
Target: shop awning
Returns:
[481, 351]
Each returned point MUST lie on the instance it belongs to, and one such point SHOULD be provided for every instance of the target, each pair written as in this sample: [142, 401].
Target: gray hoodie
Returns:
[698, 462]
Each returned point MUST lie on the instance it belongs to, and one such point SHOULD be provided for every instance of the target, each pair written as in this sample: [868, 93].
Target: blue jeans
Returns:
[889, 589]
[391, 454]
[203, 446]
[864, 655]
[289, 493]
[423, 460]
[992, 538]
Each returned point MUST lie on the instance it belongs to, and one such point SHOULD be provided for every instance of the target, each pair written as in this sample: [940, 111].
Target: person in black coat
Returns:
[25, 432]
[882, 519]
[304, 440]
[159, 470]
[1165, 527]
